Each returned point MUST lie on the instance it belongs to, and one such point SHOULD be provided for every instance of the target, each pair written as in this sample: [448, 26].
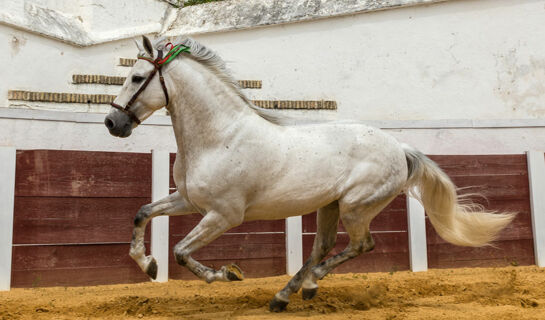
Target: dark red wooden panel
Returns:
[182, 225]
[252, 268]
[391, 253]
[82, 174]
[499, 187]
[520, 228]
[63, 265]
[470, 165]
[503, 179]
[240, 246]
[258, 255]
[46, 220]
[508, 252]
[172, 184]
[392, 218]
[77, 277]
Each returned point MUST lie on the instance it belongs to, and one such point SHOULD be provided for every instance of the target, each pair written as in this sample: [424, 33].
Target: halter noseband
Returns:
[158, 65]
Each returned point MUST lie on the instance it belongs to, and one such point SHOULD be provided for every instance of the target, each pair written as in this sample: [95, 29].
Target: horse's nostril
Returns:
[110, 124]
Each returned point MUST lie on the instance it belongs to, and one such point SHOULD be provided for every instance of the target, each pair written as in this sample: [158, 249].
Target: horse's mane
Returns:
[215, 63]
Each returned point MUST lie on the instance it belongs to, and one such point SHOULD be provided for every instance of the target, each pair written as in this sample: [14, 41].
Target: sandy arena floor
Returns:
[484, 293]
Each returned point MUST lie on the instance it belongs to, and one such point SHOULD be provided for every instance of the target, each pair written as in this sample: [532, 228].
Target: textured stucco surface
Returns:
[241, 14]
[87, 22]
[464, 59]
[91, 22]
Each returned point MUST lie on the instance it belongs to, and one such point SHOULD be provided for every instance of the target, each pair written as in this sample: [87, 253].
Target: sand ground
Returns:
[479, 293]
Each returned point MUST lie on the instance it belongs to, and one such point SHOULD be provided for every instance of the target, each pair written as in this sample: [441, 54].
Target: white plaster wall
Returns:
[453, 60]
[42, 64]
[87, 22]
[62, 135]
[459, 59]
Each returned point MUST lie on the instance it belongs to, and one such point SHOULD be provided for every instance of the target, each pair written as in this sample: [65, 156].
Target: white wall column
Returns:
[160, 174]
[416, 218]
[294, 244]
[7, 197]
[536, 175]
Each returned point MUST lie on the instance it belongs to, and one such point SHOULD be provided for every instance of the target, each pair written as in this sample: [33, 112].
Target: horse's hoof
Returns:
[309, 293]
[277, 305]
[151, 270]
[233, 272]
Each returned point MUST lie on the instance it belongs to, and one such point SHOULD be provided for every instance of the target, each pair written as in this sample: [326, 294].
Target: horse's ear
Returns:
[147, 46]
[139, 46]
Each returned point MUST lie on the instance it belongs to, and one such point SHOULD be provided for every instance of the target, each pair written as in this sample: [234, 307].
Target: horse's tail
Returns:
[455, 219]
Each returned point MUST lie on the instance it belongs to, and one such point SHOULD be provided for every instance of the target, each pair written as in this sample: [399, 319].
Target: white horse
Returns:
[236, 163]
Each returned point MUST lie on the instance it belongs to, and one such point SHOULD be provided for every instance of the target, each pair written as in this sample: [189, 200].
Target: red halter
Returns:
[158, 64]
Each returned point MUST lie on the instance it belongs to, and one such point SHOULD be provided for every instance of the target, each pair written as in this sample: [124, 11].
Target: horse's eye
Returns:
[137, 79]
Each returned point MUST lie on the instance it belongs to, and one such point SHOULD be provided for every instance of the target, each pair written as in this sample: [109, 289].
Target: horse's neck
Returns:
[205, 111]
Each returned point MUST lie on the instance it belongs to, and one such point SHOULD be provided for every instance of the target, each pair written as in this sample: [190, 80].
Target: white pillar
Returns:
[7, 197]
[294, 244]
[160, 174]
[418, 252]
[536, 175]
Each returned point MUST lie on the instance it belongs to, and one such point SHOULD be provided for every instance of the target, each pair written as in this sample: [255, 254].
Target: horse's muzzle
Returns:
[119, 124]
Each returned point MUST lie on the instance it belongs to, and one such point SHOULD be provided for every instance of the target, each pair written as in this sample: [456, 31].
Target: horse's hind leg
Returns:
[173, 204]
[327, 220]
[356, 222]
[209, 228]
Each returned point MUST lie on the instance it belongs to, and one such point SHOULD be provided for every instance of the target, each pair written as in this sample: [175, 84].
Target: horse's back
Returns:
[310, 166]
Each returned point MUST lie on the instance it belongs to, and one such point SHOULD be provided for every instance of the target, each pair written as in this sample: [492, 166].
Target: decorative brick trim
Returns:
[60, 97]
[113, 80]
[126, 62]
[97, 78]
[108, 98]
[296, 104]
[250, 84]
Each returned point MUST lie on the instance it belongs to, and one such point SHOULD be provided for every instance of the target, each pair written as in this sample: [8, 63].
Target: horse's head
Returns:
[143, 92]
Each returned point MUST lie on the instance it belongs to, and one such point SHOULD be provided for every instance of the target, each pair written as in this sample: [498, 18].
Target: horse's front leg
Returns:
[173, 204]
[212, 225]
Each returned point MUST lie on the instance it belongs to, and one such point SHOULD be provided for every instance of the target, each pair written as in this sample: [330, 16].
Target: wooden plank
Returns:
[494, 187]
[43, 220]
[390, 254]
[392, 218]
[182, 225]
[172, 157]
[505, 253]
[7, 195]
[252, 268]
[384, 221]
[384, 243]
[470, 165]
[503, 180]
[78, 277]
[63, 173]
[71, 265]
[240, 246]
[62, 257]
[536, 166]
[517, 230]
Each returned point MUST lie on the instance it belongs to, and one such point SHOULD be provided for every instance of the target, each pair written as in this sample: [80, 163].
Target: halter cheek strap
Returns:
[158, 65]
